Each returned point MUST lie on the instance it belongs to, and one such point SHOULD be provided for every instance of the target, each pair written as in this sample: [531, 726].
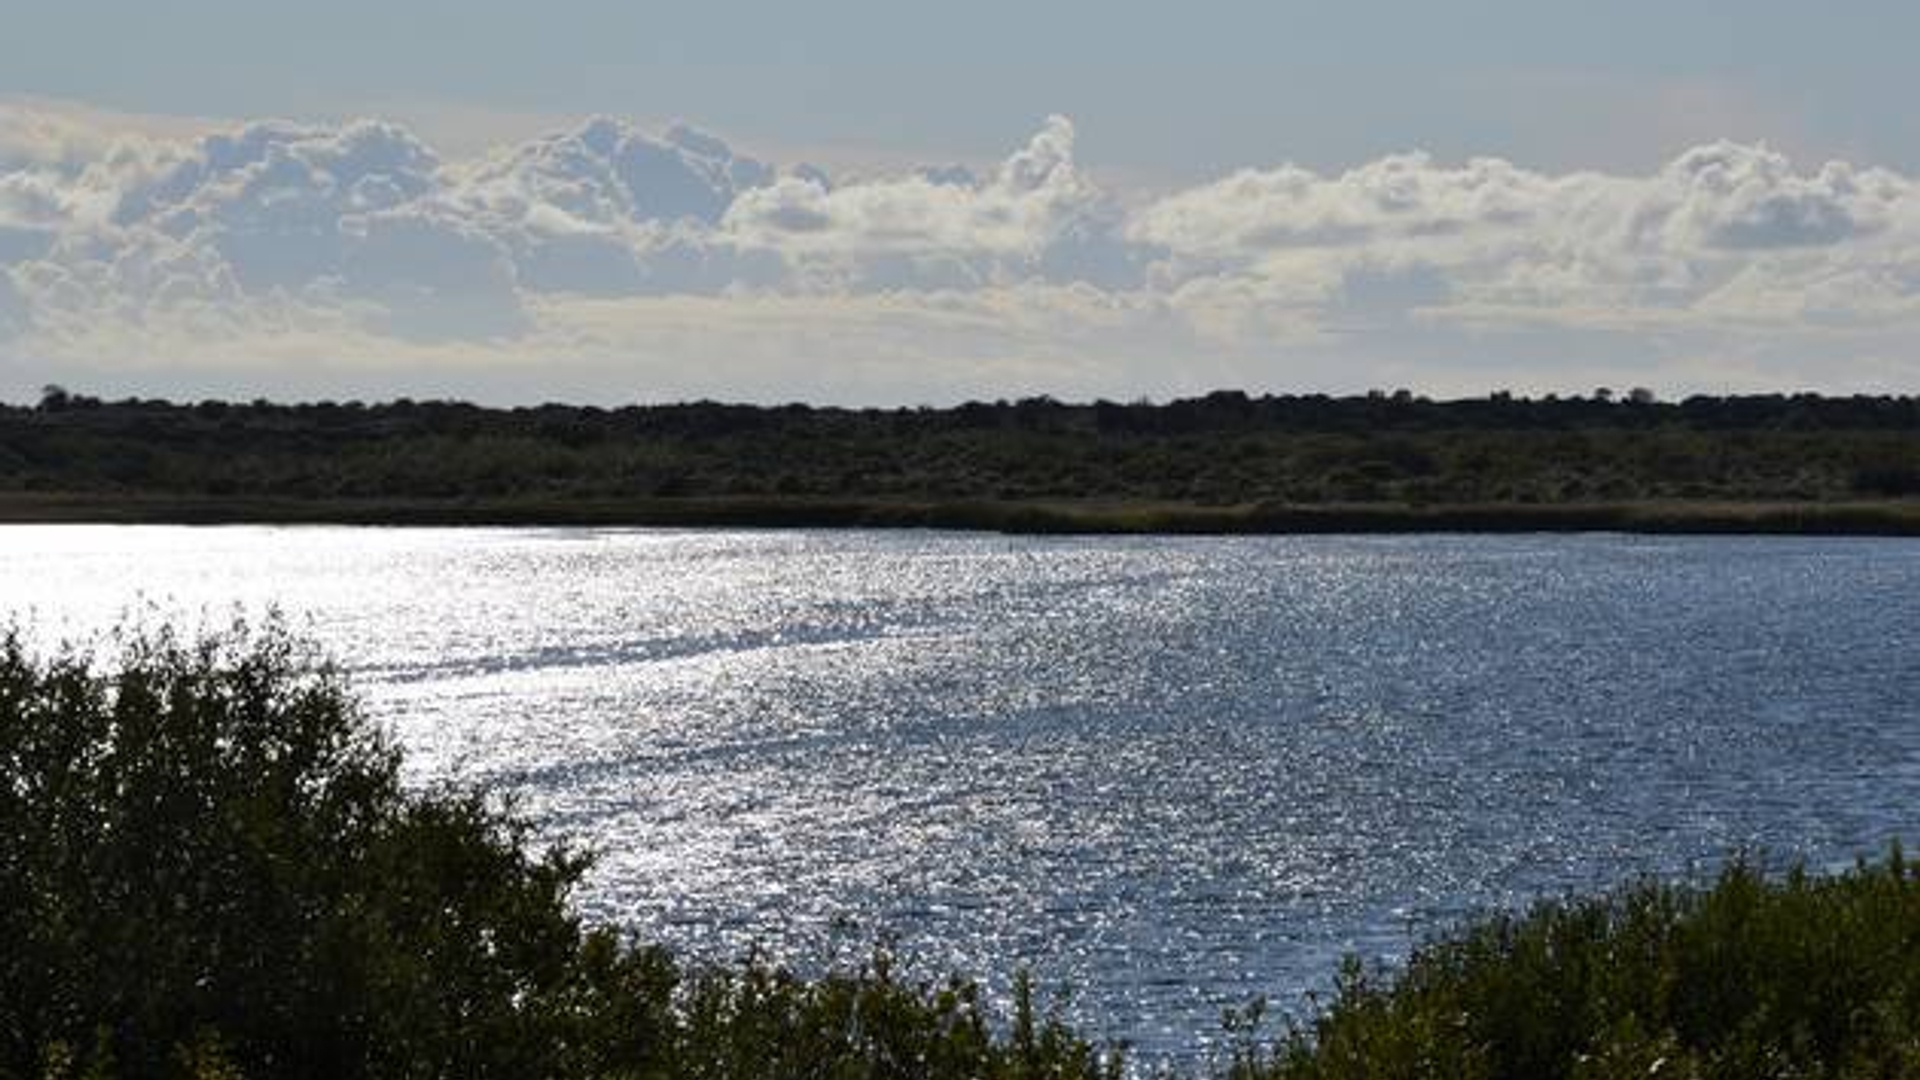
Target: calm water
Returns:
[1174, 773]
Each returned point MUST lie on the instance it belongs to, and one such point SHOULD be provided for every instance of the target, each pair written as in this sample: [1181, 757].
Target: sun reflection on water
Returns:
[1172, 773]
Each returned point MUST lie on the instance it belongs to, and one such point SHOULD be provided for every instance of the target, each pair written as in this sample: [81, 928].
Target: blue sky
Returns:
[1136, 267]
[1190, 88]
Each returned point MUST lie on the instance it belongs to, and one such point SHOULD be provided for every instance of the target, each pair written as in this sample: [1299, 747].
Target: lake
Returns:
[1171, 773]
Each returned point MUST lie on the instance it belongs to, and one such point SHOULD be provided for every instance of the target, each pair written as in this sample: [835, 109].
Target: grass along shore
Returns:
[212, 871]
[1877, 517]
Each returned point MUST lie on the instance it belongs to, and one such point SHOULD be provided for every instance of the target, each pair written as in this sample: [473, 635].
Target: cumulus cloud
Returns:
[64, 136]
[603, 241]
[1036, 218]
[1720, 221]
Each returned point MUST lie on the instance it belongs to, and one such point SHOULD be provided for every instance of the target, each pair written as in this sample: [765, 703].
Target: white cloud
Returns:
[66, 137]
[1724, 234]
[1036, 219]
[604, 245]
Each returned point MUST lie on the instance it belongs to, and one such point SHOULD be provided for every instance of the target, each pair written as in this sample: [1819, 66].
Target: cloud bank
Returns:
[610, 263]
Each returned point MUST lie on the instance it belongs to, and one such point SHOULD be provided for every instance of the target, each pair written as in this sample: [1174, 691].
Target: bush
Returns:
[1890, 478]
[1753, 977]
[209, 868]
[209, 841]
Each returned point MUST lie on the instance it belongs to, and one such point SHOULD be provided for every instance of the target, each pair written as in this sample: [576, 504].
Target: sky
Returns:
[890, 203]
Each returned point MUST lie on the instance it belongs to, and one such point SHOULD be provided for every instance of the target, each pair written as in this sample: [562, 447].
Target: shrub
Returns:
[210, 840]
[209, 868]
[1753, 977]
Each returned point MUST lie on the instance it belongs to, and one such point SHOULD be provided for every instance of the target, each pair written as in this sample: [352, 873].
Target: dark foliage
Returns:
[207, 841]
[1224, 448]
[1754, 977]
[208, 867]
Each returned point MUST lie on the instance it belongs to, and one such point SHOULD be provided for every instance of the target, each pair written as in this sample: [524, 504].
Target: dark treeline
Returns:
[1226, 448]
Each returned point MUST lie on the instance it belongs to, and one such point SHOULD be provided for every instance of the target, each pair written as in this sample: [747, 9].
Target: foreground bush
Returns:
[1754, 977]
[209, 867]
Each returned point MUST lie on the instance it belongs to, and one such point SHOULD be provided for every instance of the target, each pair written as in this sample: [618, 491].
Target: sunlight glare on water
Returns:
[1173, 774]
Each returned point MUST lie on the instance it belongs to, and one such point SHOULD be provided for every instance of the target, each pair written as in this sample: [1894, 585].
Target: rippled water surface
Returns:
[1173, 773]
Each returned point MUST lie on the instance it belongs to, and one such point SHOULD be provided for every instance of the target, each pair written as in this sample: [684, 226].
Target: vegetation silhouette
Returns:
[1222, 462]
[1753, 976]
[211, 869]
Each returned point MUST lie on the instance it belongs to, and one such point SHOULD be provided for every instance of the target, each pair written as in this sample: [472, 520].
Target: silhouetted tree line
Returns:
[1223, 447]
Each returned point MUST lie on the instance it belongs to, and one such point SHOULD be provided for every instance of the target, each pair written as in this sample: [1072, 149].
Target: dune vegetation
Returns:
[1750, 976]
[1226, 462]
[210, 868]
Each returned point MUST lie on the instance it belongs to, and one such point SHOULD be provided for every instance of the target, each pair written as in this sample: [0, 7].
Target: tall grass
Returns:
[1752, 976]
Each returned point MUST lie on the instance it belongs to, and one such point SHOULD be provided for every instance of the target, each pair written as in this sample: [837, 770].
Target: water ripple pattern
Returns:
[1173, 774]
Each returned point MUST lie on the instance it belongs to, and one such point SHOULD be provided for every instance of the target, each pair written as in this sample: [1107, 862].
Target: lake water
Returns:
[1172, 773]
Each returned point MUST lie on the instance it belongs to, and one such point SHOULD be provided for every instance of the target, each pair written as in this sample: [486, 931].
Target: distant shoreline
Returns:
[1225, 463]
[1885, 517]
